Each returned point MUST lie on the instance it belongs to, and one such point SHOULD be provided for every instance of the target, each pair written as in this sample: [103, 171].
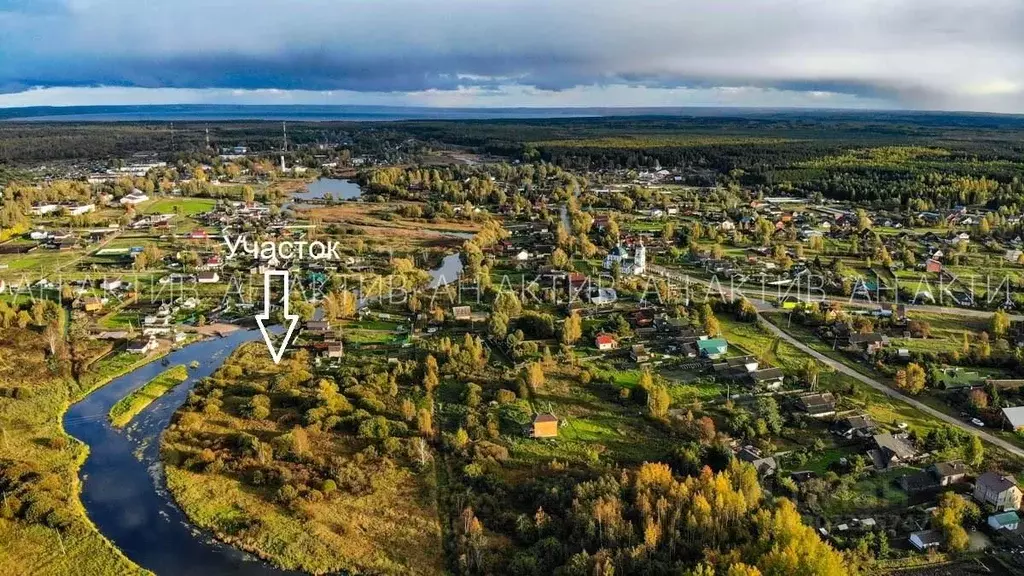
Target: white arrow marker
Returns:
[292, 319]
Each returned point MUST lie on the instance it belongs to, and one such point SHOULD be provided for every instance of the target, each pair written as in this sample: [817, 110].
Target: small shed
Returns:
[544, 426]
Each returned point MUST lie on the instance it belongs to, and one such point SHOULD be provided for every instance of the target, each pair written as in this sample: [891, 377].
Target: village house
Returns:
[142, 346]
[208, 277]
[935, 476]
[817, 405]
[92, 304]
[736, 367]
[335, 350]
[544, 426]
[639, 354]
[111, 284]
[1014, 417]
[867, 344]
[605, 342]
[317, 326]
[948, 472]
[926, 539]
[135, 197]
[462, 313]
[713, 348]
[858, 425]
[891, 450]
[998, 491]
[765, 465]
[767, 378]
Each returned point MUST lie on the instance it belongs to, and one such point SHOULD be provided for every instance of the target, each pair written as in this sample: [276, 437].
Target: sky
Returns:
[902, 54]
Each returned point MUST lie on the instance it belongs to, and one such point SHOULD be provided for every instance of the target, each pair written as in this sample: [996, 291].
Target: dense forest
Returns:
[893, 159]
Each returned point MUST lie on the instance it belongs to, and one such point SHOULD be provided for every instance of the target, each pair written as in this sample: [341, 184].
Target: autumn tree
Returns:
[974, 452]
[911, 379]
[709, 322]
[999, 325]
[572, 329]
[535, 376]
[430, 377]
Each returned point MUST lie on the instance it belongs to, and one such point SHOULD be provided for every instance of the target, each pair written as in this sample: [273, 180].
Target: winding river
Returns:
[123, 488]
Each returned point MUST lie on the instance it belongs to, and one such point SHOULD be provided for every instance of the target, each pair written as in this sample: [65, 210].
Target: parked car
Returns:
[977, 423]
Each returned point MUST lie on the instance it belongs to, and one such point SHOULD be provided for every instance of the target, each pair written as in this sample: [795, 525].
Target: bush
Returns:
[287, 493]
[505, 396]
[392, 446]
[38, 509]
[329, 487]
[375, 428]
[58, 442]
[59, 519]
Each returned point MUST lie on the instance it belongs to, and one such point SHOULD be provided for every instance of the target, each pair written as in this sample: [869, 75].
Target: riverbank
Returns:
[134, 403]
[43, 524]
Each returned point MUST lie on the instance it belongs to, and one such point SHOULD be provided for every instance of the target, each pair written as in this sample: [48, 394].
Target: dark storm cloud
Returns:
[912, 52]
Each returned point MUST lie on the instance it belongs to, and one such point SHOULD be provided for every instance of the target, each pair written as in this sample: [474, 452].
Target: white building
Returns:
[634, 263]
[43, 208]
[80, 209]
[136, 197]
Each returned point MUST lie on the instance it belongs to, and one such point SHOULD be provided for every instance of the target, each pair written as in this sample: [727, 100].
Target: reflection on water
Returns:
[122, 480]
[337, 189]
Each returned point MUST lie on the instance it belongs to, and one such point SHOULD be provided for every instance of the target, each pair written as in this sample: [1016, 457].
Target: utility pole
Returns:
[172, 137]
[284, 136]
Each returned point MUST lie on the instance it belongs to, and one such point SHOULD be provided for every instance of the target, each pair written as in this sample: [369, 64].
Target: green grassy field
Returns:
[129, 406]
[185, 206]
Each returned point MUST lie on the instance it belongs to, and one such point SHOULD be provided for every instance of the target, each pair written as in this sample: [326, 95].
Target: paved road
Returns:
[892, 393]
[764, 306]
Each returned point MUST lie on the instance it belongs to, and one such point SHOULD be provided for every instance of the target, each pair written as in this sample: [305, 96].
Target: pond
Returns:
[335, 188]
[448, 272]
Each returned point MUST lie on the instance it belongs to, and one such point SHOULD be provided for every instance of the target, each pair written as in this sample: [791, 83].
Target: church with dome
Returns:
[631, 263]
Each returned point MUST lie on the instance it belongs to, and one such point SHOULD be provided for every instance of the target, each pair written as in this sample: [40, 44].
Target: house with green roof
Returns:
[713, 348]
[955, 378]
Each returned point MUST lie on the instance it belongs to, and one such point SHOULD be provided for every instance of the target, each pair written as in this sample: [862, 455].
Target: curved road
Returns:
[763, 306]
[892, 393]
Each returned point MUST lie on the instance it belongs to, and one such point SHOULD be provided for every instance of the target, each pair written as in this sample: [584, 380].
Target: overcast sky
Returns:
[930, 54]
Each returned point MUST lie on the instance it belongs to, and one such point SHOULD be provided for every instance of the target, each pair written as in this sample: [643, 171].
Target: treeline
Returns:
[26, 143]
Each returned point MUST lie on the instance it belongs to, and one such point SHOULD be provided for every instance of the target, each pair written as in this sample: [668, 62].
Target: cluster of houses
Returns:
[997, 494]
[323, 340]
